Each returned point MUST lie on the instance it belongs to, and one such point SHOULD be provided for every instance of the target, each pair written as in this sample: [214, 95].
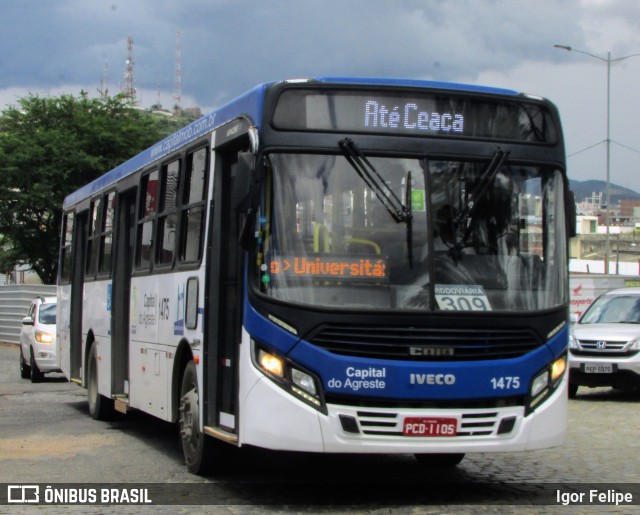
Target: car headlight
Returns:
[287, 374]
[634, 344]
[573, 343]
[544, 383]
[43, 337]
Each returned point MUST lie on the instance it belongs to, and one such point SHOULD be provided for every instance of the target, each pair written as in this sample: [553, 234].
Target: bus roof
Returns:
[250, 104]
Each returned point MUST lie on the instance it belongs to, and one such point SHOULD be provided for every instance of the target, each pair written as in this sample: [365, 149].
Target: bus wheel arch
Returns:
[100, 407]
[88, 343]
[182, 357]
[202, 454]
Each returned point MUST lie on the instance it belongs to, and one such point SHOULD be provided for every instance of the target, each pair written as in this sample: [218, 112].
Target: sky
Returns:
[53, 47]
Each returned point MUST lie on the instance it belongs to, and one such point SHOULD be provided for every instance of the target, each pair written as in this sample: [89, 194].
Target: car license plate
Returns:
[429, 426]
[598, 368]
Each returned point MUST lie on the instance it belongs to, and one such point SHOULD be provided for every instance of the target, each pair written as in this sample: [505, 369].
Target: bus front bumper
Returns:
[274, 419]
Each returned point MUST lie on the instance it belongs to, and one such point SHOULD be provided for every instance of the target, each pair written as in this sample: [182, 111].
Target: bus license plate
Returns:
[598, 368]
[432, 426]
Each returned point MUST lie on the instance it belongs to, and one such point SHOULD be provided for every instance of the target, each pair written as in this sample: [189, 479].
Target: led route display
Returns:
[411, 117]
[449, 114]
[335, 267]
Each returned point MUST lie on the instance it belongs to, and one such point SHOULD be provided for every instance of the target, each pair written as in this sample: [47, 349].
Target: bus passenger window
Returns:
[65, 257]
[146, 215]
[106, 247]
[192, 209]
[94, 237]
[168, 219]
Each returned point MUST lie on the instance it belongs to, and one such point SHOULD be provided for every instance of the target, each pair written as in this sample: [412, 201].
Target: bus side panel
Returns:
[157, 326]
[96, 325]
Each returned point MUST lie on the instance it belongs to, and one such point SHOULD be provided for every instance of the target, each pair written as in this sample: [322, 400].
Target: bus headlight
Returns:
[546, 382]
[271, 364]
[303, 380]
[539, 383]
[287, 374]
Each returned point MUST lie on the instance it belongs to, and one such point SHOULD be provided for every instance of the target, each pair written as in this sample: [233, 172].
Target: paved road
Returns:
[47, 436]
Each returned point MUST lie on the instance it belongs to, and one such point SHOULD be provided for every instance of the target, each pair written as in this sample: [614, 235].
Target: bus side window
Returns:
[167, 220]
[146, 214]
[106, 238]
[94, 235]
[193, 207]
[65, 251]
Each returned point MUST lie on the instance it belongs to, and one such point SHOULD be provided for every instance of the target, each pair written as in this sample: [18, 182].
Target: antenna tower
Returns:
[104, 82]
[129, 90]
[177, 80]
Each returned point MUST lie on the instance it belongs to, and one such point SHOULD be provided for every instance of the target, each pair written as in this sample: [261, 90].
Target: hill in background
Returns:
[584, 189]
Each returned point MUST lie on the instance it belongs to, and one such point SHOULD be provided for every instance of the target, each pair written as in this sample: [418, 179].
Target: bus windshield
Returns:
[474, 236]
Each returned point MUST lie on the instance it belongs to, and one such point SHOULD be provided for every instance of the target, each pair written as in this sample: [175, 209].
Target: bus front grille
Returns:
[425, 344]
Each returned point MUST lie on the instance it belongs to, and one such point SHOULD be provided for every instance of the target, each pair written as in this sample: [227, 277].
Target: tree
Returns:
[49, 147]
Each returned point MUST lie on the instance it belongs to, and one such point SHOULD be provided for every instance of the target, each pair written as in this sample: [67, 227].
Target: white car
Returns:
[38, 340]
[604, 347]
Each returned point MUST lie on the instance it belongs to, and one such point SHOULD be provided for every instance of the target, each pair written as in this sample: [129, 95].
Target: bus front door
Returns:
[224, 299]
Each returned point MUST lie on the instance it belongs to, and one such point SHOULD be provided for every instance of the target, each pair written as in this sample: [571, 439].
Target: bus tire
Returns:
[439, 460]
[25, 370]
[36, 375]
[201, 452]
[100, 407]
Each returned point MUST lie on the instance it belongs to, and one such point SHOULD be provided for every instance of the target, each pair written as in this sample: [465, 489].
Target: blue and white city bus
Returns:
[334, 265]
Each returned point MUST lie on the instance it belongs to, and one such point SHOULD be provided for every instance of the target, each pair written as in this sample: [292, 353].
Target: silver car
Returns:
[604, 347]
[38, 340]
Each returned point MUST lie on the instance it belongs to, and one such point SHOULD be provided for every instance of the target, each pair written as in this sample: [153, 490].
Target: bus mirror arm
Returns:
[246, 195]
[244, 177]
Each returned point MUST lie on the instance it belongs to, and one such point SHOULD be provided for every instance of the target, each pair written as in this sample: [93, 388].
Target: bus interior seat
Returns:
[321, 238]
[361, 246]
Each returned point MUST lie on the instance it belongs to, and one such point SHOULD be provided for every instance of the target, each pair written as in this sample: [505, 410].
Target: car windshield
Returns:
[47, 314]
[613, 309]
[430, 235]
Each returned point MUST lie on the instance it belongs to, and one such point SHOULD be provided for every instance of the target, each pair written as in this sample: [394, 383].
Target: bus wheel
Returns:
[25, 370]
[100, 407]
[439, 460]
[198, 448]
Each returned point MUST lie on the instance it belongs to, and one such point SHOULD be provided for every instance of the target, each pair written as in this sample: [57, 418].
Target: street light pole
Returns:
[607, 241]
[608, 60]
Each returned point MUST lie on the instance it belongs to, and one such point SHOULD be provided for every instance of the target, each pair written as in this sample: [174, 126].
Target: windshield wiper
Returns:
[398, 211]
[407, 205]
[486, 179]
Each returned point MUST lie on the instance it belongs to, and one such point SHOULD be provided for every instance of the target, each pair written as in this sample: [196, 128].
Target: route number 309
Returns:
[505, 383]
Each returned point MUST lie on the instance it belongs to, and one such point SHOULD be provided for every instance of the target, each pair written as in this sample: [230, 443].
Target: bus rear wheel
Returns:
[201, 452]
[439, 460]
[100, 407]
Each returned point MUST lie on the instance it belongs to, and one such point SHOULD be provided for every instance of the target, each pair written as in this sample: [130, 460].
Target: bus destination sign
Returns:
[410, 117]
[428, 113]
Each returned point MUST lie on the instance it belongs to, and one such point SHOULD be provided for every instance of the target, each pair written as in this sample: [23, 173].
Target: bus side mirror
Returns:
[571, 214]
[242, 185]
